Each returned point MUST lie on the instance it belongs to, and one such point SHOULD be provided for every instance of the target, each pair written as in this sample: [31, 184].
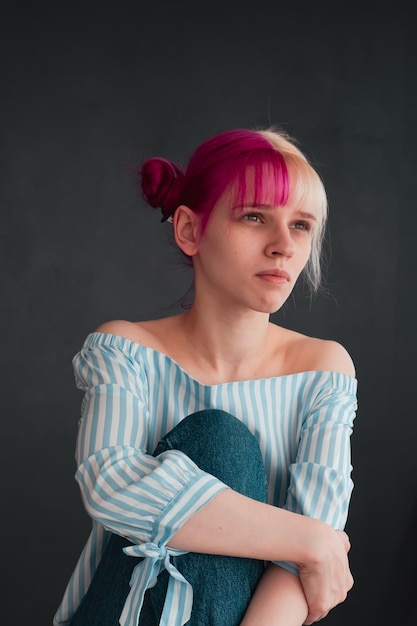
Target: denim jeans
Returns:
[222, 446]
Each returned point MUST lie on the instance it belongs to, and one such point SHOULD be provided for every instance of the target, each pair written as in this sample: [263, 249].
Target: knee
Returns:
[224, 428]
[222, 445]
[215, 429]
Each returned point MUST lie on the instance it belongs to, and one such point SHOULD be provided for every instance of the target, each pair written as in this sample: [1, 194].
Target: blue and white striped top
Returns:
[133, 396]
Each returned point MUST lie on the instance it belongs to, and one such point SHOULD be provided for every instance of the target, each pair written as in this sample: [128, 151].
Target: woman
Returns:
[213, 450]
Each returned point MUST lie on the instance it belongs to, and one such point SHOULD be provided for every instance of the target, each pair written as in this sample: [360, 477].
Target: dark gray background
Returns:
[88, 90]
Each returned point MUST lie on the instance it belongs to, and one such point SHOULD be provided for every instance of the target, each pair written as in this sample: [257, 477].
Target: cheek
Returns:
[215, 255]
[305, 252]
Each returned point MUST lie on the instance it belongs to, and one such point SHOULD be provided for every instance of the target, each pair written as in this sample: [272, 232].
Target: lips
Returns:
[274, 274]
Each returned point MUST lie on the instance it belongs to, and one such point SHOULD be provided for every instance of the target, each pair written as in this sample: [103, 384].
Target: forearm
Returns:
[234, 525]
[127, 502]
[279, 600]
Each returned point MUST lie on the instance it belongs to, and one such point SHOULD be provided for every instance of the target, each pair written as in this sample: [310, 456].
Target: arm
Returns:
[123, 487]
[279, 600]
[234, 525]
[320, 484]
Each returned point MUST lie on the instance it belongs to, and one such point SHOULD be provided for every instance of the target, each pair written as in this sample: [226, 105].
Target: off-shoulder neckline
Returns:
[101, 338]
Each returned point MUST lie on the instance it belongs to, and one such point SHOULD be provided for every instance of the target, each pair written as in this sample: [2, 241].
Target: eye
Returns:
[301, 225]
[253, 217]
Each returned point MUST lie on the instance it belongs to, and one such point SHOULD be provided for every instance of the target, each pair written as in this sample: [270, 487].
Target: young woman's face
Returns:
[251, 258]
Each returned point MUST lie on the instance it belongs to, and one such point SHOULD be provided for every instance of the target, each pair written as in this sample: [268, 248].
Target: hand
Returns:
[326, 579]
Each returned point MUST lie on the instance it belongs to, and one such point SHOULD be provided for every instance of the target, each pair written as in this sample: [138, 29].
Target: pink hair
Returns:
[219, 164]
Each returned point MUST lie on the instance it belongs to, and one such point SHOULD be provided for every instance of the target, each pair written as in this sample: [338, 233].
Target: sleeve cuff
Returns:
[198, 492]
[290, 567]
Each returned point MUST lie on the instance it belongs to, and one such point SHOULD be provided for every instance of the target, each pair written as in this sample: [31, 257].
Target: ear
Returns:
[186, 226]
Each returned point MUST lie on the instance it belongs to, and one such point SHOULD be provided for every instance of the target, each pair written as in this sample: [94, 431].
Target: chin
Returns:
[273, 303]
[271, 308]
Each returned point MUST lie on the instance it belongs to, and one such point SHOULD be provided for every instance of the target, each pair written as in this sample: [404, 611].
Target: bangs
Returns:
[260, 178]
[270, 180]
[306, 189]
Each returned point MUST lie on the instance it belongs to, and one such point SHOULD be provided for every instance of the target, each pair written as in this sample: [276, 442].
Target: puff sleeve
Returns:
[320, 482]
[123, 487]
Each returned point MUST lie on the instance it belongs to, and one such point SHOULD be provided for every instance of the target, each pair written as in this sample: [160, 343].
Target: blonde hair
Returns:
[306, 190]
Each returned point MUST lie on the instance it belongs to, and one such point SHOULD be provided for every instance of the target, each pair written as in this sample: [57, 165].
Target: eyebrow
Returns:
[305, 214]
[308, 215]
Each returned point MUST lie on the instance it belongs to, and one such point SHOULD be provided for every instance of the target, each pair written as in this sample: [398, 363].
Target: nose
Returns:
[281, 243]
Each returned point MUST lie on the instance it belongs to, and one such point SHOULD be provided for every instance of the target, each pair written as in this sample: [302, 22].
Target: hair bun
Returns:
[161, 183]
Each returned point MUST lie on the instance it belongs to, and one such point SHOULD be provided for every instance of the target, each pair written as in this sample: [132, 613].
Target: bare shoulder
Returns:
[305, 353]
[122, 328]
[328, 355]
[148, 333]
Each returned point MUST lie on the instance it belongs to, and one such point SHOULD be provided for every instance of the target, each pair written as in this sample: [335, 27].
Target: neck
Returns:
[226, 344]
